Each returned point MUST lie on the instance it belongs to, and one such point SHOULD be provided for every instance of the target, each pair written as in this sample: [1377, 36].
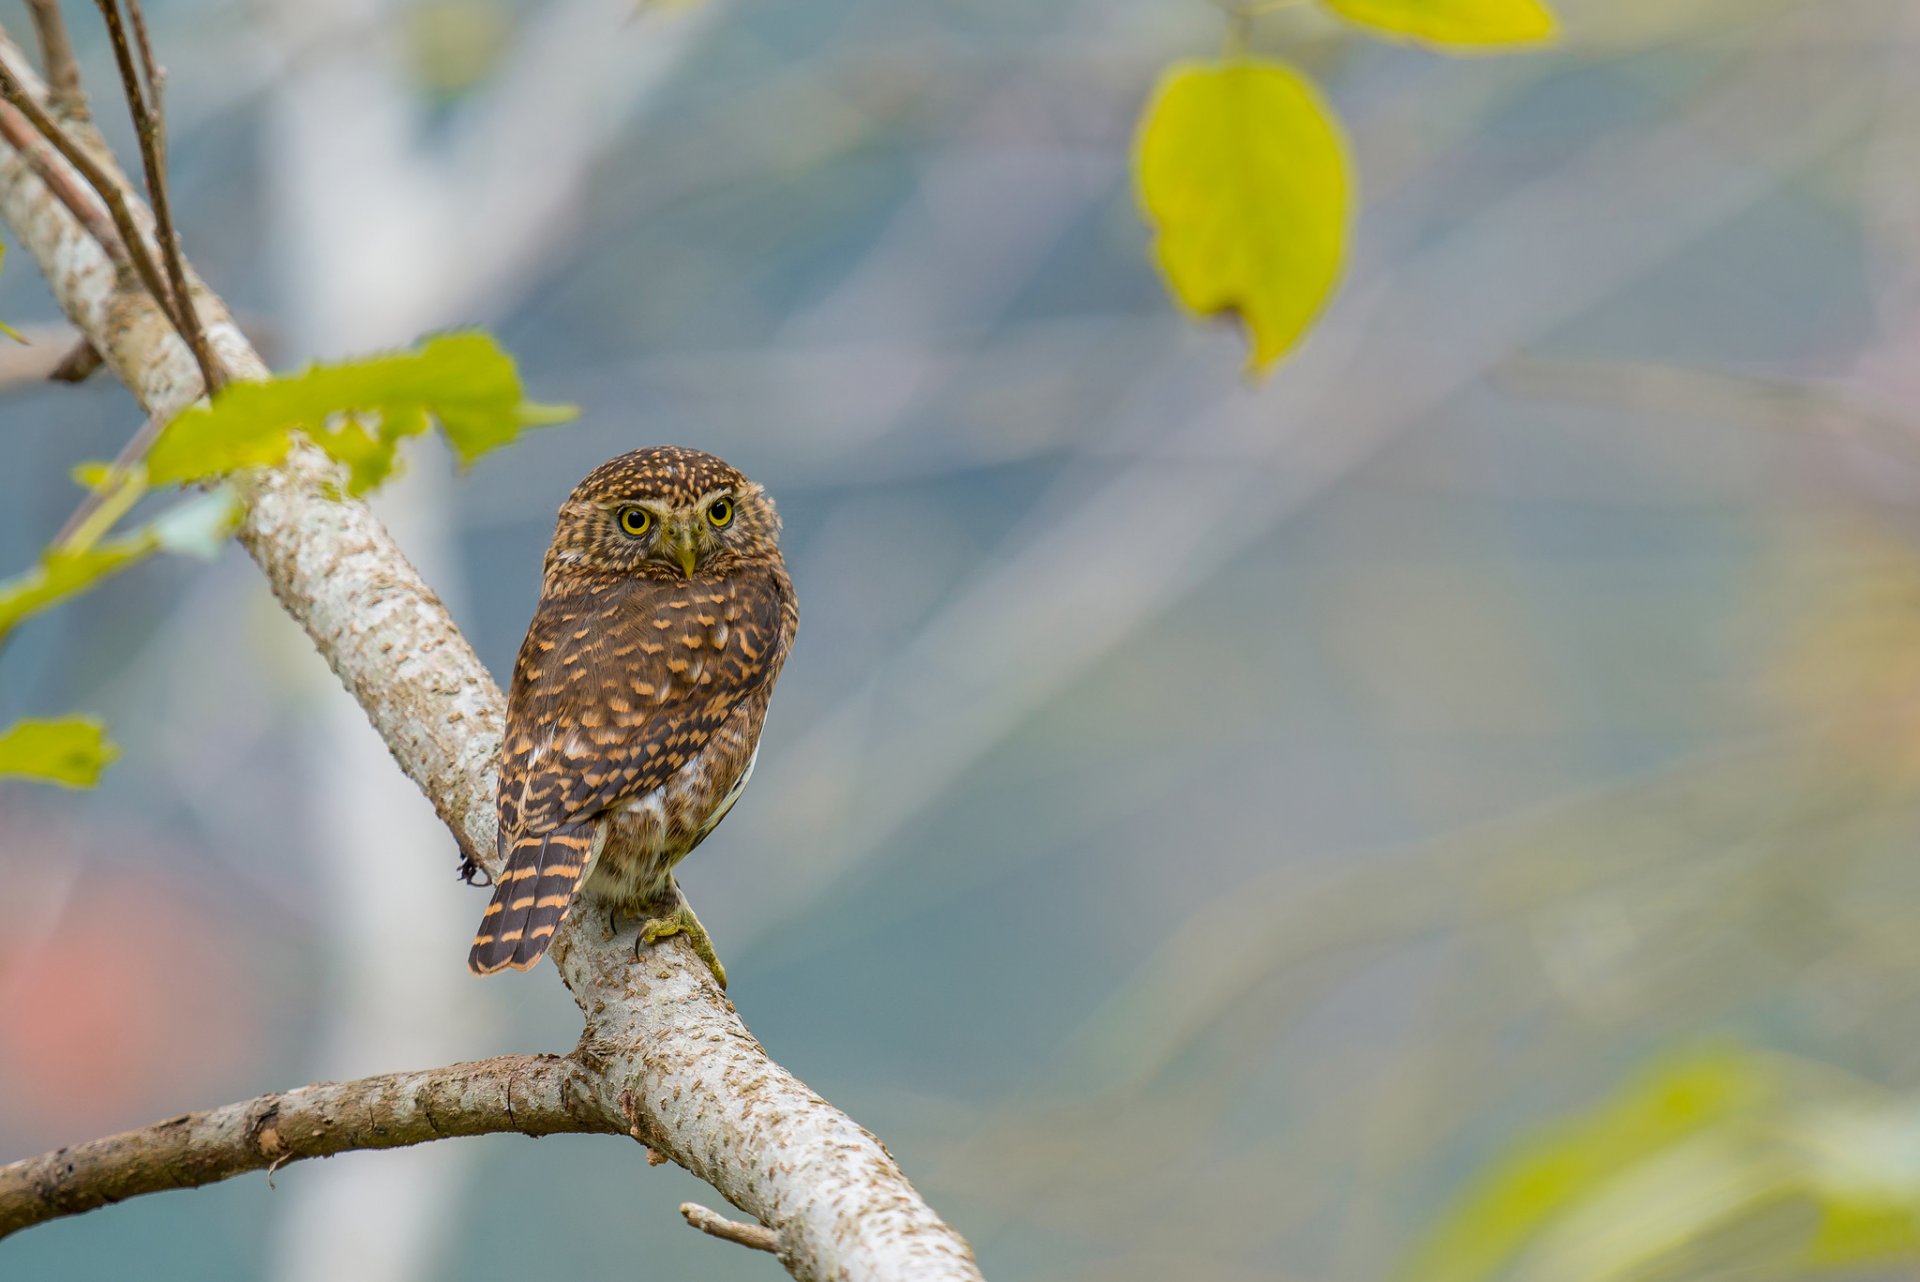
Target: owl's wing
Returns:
[615, 691]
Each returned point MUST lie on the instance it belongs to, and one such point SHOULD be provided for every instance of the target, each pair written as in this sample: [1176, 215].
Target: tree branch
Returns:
[527, 1094]
[757, 1237]
[663, 1051]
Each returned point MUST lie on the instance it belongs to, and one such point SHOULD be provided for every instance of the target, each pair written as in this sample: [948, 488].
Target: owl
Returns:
[634, 716]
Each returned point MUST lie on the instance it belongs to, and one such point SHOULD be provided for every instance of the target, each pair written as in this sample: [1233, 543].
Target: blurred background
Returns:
[1445, 812]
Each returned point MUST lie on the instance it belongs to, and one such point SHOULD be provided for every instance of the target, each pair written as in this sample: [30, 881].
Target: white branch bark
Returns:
[663, 1048]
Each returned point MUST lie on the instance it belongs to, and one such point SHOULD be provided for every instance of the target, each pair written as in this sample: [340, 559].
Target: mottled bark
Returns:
[528, 1094]
[664, 1055]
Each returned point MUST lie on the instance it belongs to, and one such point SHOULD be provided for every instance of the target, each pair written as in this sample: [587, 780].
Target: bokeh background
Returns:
[1459, 792]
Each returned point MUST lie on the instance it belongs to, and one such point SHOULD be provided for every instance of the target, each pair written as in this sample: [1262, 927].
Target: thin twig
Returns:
[20, 134]
[714, 1224]
[156, 74]
[150, 127]
[131, 453]
[102, 183]
[56, 55]
[78, 365]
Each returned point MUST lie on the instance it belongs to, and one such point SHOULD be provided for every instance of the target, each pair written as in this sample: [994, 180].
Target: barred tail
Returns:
[531, 899]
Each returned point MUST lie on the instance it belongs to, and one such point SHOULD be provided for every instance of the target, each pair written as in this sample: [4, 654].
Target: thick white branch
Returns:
[663, 1047]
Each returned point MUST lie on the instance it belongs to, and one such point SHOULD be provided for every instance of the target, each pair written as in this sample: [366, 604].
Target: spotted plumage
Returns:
[634, 716]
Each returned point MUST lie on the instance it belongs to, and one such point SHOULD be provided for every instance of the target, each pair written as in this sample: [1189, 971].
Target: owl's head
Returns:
[663, 512]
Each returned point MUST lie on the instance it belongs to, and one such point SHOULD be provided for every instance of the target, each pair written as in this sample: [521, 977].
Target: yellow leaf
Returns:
[71, 752]
[1457, 23]
[1243, 174]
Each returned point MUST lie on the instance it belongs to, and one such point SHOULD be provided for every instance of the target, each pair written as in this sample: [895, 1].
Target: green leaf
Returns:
[1243, 174]
[1461, 24]
[71, 752]
[357, 412]
[61, 573]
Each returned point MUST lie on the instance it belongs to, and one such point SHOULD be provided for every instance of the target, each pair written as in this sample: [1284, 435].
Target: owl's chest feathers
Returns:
[643, 838]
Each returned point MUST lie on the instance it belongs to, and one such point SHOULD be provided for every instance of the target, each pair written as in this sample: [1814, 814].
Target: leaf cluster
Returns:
[358, 412]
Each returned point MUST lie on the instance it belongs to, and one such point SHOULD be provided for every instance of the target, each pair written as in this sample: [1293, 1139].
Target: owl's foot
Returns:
[681, 921]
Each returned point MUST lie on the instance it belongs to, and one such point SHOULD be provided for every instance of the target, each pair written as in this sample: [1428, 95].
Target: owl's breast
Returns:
[648, 834]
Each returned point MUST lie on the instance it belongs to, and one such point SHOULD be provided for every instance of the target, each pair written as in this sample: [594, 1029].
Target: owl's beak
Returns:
[680, 546]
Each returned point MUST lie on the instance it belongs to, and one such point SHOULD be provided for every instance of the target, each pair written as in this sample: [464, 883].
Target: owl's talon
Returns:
[682, 922]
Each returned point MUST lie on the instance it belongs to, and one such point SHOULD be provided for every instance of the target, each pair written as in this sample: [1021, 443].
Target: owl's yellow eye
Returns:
[721, 513]
[635, 520]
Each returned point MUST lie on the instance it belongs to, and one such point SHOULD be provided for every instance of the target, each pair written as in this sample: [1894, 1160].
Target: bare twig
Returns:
[132, 452]
[757, 1236]
[78, 365]
[19, 133]
[111, 192]
[155, 73]
[527, 1094]
[64, 93]
[145, 103]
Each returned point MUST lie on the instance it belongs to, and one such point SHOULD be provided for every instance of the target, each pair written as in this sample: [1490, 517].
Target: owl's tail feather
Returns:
[531, 898]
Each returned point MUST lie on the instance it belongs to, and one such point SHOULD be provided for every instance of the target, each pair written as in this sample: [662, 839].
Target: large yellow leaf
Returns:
[1460, 23]
[1243, 173]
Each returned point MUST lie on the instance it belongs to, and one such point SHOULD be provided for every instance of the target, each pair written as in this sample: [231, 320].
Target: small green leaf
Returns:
[357, 412]
[71, 752]
[1243, 173]
[1461, 24]
[60, 574]
[94, 475]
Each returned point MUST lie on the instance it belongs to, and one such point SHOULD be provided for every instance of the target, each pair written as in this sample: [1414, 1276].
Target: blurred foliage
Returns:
[1453, 23]
[1719, 1161]
[453, 46]
[81, 558]
[72, 751]
[64, 570]
[1242, 170]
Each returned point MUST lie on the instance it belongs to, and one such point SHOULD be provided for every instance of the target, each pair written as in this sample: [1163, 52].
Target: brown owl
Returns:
[634, 718]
